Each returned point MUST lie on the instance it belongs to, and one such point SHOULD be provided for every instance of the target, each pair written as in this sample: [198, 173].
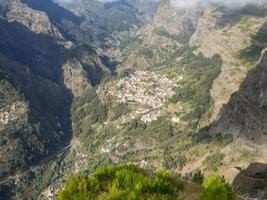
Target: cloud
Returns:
[227, 3]
[73, 1]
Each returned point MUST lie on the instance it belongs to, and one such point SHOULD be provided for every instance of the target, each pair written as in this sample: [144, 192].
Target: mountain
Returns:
[105, 19]
[85, 84]
[245, 113]
[41, 71]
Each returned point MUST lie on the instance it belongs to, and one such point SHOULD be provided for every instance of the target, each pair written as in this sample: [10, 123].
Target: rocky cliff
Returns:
[246, 115]
[226, 32]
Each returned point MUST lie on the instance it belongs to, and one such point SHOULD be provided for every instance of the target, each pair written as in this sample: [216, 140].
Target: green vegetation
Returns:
[160, 129]
[25, 139]
[33, 183]
[86, 111]
[220, 140]
[213, 161]
[122, 183]
[195, 177]
[219, 9]
[171, 162]
[247, 153]
[161, 31]
[245, 24]
[252, 53]
[198, 177]
[216, 188]
[261, 35]
[88, 106]
[119, 110]
[201, 72]
[147, 52]
[182, 38]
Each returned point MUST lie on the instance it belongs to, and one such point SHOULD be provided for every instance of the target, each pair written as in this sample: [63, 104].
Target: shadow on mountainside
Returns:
[245, 115]
[32, 64]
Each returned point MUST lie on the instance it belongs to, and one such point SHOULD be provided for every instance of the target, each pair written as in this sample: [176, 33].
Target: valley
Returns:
[88, 84]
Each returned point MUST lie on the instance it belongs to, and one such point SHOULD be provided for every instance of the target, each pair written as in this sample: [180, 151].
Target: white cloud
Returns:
[71, 1]
[228, 3]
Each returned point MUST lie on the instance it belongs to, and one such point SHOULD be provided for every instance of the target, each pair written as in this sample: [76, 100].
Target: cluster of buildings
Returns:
[144, 87]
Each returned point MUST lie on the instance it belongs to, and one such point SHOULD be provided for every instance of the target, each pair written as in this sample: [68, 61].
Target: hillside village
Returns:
[148, 91]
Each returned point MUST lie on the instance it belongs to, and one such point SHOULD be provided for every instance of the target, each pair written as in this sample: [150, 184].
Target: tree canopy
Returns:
[122, 183]
[216, 188]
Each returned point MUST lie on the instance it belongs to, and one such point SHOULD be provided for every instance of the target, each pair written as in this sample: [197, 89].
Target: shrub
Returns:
[161, 31]
[198, 177]
[212, 162]
[122, 182]
[216, 188]
[119, 110]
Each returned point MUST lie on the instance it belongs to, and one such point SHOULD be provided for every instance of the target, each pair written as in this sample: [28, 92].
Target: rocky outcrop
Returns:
[246, 113]
[75, 77]
[174, 20]
[37, 21]
[253, 180]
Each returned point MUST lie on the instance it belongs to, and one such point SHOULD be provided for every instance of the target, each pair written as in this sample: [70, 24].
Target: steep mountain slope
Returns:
[175, 74]
[40, 73]
[245, 114]
[245, 117]
[228, 33]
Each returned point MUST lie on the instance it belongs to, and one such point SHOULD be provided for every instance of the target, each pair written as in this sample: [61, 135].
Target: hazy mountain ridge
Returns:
[105, 19]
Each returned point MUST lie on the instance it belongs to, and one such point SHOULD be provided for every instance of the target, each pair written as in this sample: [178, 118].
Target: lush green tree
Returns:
[216, 188]
[122, 183]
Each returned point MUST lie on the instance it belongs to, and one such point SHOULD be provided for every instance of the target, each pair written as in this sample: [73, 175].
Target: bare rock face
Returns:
[253, 180]
[246, 113]
[174, 20]
[75, 78]
[37, 21]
